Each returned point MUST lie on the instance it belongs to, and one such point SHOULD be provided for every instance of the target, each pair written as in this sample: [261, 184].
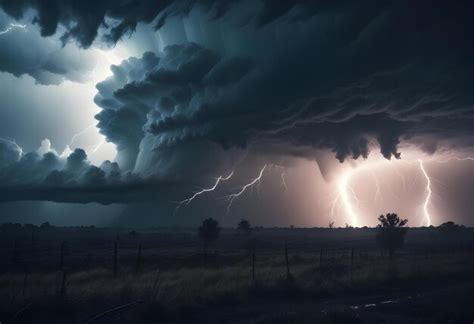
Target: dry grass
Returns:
[93, 291]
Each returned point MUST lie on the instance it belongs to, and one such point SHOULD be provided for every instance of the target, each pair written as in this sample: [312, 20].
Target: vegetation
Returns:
[450, 227]
[336, 267]
[208, 232]
[244, 227]
[391, 232]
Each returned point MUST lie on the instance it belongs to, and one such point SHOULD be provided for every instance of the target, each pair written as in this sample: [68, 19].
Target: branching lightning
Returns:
[187, 201]
[232, 197]
[11, 27]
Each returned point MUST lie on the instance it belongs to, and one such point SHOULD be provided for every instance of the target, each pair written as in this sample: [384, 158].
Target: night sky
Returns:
[282, 112]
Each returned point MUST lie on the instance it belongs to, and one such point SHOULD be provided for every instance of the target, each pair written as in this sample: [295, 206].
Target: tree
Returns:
[208, 232]
[450, 228]
[45, 225]
[391, 232]
[244, 227]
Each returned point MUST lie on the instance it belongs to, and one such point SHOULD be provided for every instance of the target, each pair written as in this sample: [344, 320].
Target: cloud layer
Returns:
[344, 78]
[249, 80]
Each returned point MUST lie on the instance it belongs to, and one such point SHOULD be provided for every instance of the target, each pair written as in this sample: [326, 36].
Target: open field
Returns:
[68, 275]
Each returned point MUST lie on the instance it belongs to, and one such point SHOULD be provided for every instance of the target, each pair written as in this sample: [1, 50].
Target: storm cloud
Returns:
[25, 52]
[348, 77]
[255, 81]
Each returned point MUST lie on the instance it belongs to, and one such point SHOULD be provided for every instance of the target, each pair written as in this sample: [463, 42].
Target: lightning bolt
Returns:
[80, 133]
[346, 195]
[187, 201]
[232, 197]
[428, 189]
[98, 146]
[426, 203]
[377, 186]
[11, 27]
[283, 181]
[455, 158]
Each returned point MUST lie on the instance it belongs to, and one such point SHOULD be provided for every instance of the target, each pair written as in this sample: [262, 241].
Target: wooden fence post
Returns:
[62, 289]
[288, 274]
[253, 263]
[139, 258]
[352, 256]
[61, 258]
[115, 259]
[24, 283]
[15, 252]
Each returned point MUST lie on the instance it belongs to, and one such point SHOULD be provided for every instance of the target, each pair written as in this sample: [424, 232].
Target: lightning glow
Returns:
[232, 197]
[347, 198]
[11, 27]
[344, 197]
[187, 201]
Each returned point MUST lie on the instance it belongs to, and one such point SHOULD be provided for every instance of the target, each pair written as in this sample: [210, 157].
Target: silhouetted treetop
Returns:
[391, 232]
[209, 230]
[244, 227]
[391, 220]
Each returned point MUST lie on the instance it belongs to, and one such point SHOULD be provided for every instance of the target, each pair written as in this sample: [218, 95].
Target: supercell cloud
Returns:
[252, 80]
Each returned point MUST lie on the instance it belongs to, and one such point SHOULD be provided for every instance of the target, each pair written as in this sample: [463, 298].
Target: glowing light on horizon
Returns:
[346, 195]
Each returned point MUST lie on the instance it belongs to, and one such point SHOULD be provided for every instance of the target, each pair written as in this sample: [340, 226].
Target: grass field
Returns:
[67, 275]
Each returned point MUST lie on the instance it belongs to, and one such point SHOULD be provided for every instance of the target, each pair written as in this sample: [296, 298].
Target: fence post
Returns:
[253, 263]
[139, 258]
[288, 274]
[24, 283]
[352, 256]
[61, 258]
[15, 252]
[62, 289]
[115, 259]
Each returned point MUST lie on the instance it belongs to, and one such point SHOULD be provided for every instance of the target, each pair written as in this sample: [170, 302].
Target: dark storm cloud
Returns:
[24, 51]
[83, 19]
[46, 176]
[354, 75]
[296, 77]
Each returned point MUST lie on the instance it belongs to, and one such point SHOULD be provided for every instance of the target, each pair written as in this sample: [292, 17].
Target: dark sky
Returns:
[347, 109]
